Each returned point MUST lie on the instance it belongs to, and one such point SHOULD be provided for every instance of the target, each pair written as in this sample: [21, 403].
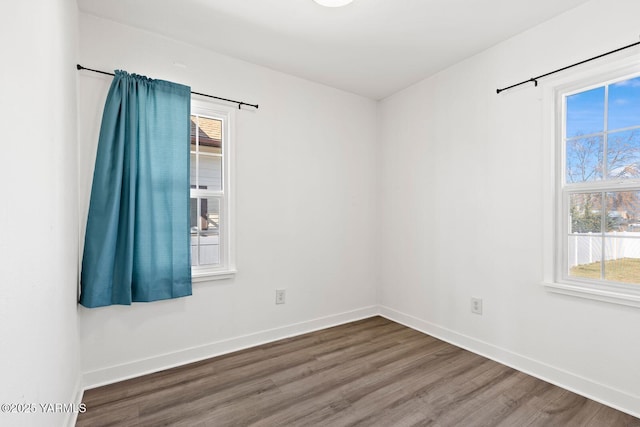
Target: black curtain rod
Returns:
[240, 103]
[534, 80]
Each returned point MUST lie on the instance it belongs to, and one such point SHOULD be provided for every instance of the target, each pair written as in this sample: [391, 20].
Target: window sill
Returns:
[615, 296]
[207, 276]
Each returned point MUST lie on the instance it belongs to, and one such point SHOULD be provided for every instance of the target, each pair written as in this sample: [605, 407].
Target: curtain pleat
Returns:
[137, 243]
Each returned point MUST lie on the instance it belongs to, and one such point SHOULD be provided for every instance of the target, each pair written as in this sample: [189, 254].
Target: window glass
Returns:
[205, 235]
[208, 235]
[585, 213]
[624, 104]
[584, 159]
[623, 154]
[210, 172]
[585, 113]
[602, 153]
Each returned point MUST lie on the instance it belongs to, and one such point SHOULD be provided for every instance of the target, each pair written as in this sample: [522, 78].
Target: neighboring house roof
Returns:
[209, 131]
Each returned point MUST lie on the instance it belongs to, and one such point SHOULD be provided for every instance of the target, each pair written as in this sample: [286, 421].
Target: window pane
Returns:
[585, 113]
[205, 231]
[585, 241]
[623, 211]
[624, 104]
[194, 120]
[193, 215]
[585, 213]
[210, 135]
[209, 252]
[192, 171]
[622, 260]
[211, 149]
[194, 230]
[210, 174]
[584, 255]
[584, 159]
[623, 154]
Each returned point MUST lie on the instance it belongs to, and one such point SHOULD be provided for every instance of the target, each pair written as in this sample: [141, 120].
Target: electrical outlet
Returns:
[280, 294]
[476, 305]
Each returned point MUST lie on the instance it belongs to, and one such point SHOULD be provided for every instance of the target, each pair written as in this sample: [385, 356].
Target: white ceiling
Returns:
[370, 47]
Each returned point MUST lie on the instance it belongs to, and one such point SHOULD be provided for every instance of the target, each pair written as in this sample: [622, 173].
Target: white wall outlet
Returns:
[476, 305]
[280, 294]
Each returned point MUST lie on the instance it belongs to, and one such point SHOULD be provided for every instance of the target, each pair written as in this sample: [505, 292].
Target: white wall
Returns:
[460, 163]
[39, 351]
[305, 192]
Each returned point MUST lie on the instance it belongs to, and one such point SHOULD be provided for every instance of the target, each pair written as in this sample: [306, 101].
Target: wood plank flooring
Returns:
[373, 372]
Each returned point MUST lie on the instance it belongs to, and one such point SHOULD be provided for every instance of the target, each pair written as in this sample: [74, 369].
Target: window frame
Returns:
[556, 191]
[227, 267]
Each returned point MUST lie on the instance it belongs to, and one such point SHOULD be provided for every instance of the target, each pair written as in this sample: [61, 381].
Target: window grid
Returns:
[605, 186]
[204, 195]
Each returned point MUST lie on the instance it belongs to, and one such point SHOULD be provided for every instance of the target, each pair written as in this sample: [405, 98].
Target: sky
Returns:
[586, 116]
[585, 110]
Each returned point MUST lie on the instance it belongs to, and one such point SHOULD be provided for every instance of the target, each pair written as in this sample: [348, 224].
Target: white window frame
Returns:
[227, 267]
[555, 192]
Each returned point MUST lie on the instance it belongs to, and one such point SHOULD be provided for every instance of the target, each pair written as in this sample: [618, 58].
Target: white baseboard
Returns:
[150, 365]
[606, 395]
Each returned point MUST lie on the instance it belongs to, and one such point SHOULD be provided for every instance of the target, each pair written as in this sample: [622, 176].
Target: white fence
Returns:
[586, 248]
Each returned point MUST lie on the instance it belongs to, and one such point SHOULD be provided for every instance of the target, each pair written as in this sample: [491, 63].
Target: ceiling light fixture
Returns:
[333, 3]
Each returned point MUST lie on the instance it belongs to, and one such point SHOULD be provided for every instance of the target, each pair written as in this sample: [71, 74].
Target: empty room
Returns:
[320, 213]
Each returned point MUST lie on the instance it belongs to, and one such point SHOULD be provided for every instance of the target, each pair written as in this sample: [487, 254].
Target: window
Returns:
[598, 189]
[211, 197]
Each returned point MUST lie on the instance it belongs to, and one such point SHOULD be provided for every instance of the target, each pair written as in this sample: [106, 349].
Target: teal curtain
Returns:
[137, 244]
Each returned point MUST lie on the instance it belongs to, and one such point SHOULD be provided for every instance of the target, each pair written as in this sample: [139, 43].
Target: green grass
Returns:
[626, 270]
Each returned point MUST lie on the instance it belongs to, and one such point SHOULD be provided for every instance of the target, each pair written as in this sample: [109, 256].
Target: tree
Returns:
[586, 160]
[586, 214]
[586, 157]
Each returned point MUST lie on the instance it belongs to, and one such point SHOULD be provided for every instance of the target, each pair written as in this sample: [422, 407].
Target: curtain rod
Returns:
[534, 80]
[240, 103]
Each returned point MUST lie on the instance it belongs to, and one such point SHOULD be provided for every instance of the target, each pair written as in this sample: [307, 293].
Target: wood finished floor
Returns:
[373, 372]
